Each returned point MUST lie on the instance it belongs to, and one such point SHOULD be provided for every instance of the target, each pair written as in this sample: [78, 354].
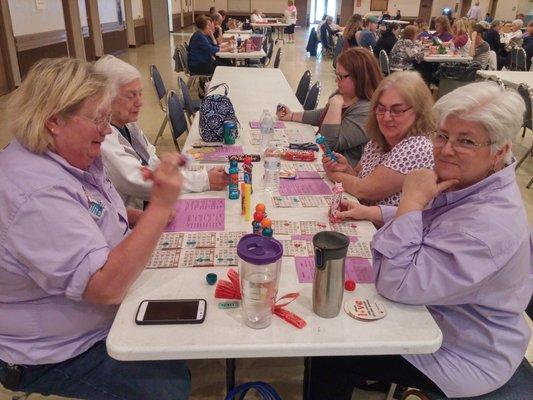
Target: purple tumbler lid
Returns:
[259, 250]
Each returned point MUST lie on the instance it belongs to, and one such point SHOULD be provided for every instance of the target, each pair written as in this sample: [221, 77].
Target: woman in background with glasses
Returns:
[398, 127]
[343, 119]
[459, 243]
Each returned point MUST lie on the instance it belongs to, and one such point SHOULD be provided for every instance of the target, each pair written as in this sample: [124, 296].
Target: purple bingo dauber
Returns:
[321, 141]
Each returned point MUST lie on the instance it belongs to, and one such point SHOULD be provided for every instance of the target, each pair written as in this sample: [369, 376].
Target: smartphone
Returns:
[158, 312]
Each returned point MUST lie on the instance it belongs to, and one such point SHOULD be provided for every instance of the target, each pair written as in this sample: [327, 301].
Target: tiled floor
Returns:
[284, 374]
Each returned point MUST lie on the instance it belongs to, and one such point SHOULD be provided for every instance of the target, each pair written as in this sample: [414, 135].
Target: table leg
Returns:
[279, 30]
[230, 374]
[306, 393]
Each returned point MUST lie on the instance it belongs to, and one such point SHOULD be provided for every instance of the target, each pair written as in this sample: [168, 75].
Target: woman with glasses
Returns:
[127, 149]
[397, 126]
[342, 120]
[458, 243]
[68, 253]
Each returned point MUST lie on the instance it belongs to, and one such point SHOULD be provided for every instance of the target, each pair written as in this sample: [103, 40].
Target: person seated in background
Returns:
[479, 49]
[327, 33]
[127, 149]
[218, 31]
[342, 120]
[488, 18]
[492, 37]
[423, 31]
[514, 37]
[224, 23]
[385, 16]
[70, 249]
[406, 51]
[528, 43]
[212, 10]
[388, 39]
[460, 244]
[354, 25]
[399, 123]
[203, 46]
[368, 36]
[461, 36]
[256, 17]
[443, 29]
[398, 15]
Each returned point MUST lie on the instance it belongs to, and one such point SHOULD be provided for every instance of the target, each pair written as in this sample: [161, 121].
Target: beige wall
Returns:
[506, 10]
[137, 8]
[266, 6]
[26, 19]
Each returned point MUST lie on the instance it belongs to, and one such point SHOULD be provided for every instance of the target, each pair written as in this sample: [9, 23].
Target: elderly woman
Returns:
[126, 149]
[443, 29]
[459, 243]
[398, 127]
[326, 34]
[406, 51]
[68, 254]
[342, 120]
[514, 37]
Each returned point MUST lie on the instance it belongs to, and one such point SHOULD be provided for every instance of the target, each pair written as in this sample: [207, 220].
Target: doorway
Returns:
[321, 7]
[424, 12]
[465, 7]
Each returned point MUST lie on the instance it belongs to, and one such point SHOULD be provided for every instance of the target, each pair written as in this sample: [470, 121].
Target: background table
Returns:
[241, 56]
[439, 58]
[238, 31]
[279, 26]
[390, 21]
[223, 333]
[510, 78]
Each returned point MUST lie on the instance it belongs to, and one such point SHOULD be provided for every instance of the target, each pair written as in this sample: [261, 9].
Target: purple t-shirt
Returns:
[469, 258]
[57, 227]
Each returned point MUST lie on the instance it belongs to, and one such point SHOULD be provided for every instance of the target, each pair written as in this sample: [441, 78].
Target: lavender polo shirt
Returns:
[57, 227]
[468, 257]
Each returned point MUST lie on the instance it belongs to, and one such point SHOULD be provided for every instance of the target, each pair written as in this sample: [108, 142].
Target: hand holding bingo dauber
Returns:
[321, 141]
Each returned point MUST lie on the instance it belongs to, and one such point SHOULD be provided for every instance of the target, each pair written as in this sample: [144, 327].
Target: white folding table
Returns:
[405, 330]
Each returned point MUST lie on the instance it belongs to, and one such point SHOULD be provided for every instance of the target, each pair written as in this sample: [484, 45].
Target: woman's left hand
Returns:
[421, 186]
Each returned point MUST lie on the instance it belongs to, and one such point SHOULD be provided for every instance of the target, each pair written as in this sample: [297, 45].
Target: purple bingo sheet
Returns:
[194, 215]
[357, 269]
[296, 187]
[222, 152]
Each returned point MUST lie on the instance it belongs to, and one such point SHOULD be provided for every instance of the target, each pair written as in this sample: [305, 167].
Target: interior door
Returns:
[424, 11]
[465, 7]
[4, 85]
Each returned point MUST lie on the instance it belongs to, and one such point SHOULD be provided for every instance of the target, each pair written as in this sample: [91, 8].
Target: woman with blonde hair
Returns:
[399, 123]
[461, 39]
[70, 249]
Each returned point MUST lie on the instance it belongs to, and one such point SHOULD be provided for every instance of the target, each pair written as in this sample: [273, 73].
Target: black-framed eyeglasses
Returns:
[340, 77]
[394, 111]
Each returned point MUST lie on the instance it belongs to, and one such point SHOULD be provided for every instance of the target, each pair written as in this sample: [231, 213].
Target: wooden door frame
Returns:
[75, 43]
[148, 21]
[95, 28]
[8, 47]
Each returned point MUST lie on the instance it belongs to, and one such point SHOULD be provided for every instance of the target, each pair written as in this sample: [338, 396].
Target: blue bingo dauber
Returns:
[321, 141]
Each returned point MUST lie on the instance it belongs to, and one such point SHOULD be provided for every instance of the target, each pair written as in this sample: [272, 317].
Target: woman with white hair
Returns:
[69, 249]
[126, 149]
[458, 243]
[513, 38]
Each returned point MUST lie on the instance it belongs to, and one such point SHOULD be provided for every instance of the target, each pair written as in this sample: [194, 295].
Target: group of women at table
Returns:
[438, 179]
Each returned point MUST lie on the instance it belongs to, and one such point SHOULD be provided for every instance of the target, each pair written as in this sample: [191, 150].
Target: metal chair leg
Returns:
[524, 132]
[528, 153]
[161, 130]
[392, 389]
[529, 184]
[230, 374]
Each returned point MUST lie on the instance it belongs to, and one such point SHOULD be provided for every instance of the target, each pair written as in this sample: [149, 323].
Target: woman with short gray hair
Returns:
[127, 149]
[460, 244]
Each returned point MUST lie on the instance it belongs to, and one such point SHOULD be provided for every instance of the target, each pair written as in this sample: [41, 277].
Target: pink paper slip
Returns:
[257, 125]
[194, 215]
[357, 269]
[222, 152]
[295, 187]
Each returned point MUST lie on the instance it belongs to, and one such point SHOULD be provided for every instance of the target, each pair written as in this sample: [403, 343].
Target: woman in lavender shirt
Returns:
[459, 243]
[69, 250]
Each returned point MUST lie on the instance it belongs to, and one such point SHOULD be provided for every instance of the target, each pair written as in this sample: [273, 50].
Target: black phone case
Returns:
[167, 322]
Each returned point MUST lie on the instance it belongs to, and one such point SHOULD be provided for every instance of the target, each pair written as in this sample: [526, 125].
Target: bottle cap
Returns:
[260, 207]
[247, 159]
[259, 250]
[266, 223]
[211, 278]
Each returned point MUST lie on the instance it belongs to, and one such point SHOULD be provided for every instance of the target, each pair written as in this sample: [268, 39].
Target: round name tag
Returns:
[365, 309]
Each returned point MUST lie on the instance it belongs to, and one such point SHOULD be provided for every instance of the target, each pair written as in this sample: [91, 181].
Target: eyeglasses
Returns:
[394, 111]
[462, 143]
[101, 123]
[340, 77]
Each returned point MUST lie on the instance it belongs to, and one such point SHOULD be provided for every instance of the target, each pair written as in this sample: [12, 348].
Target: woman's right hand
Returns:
[284, 114]
[330, 166]
[351, 210]
[167, 180]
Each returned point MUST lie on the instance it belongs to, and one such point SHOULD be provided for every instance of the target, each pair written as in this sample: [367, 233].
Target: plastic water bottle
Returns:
[267, 129]
[272, 166]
